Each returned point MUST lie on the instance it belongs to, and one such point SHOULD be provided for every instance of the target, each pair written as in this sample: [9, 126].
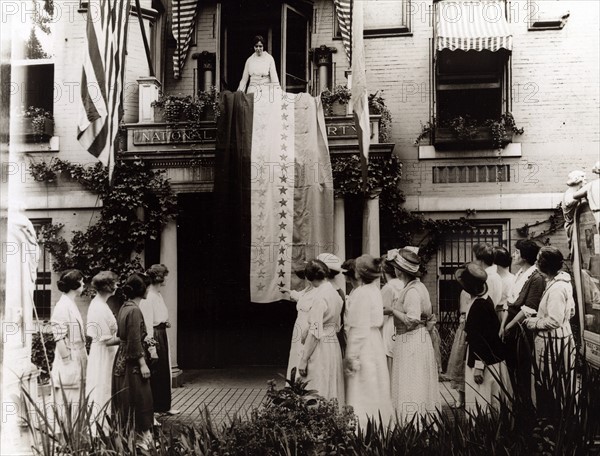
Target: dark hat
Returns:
[406, 260]
[472, 279]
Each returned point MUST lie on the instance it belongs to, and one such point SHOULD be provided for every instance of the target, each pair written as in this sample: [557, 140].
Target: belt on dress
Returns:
[161, 326]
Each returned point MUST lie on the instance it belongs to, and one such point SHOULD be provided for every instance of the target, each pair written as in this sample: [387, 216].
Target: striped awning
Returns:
[467, 25]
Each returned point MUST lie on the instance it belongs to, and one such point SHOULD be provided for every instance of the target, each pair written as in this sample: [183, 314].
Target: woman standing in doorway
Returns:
[259, 69]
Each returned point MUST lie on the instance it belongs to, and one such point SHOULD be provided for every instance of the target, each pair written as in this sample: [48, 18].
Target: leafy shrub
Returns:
[42, 353]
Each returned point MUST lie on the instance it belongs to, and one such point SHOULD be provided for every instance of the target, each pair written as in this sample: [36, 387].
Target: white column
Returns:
[168, 257]
[370, 239]
[339, 236]
[149, 89]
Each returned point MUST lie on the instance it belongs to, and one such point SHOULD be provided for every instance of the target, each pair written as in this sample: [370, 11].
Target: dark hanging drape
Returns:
[232, 196]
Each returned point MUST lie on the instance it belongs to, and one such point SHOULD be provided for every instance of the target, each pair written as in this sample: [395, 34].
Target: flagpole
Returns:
[145, 38]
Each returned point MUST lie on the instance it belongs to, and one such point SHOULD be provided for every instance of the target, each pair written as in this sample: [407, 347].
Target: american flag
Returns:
[184, 14]
[350, 18]
[102, 78]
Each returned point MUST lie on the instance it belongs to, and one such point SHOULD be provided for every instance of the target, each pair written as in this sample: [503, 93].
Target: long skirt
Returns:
[160, 378]
[132, 399]
[67, 398]
[98, 377]
[325, 372]
[368, 389]
[456, 363]
[486, 396]
[415, 387]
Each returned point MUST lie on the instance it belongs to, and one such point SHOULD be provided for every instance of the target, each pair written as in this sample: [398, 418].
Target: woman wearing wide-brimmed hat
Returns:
[486, 375]
[367, 376]
[390, 291]
[415, 388]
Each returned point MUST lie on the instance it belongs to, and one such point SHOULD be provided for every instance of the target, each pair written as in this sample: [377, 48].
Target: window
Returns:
[547, 14]
[38, 79]
[382, 18]
[466, 174]
[469, 83]
[43, 291]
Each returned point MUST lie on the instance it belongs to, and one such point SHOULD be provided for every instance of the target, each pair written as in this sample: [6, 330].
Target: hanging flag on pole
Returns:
[184, 15]
[350, 19]
[102, 79]
[360, 96]
[343, 10]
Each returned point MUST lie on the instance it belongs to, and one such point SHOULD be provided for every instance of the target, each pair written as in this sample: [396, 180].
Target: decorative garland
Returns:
[555, 222]
[398, 226]
[115, 241]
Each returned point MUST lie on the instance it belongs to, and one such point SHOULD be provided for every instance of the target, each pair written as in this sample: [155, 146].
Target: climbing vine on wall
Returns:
[398, 226]
[541, 229]
[135, 208]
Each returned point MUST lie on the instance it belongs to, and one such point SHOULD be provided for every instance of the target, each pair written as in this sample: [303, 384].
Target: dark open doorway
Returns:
[216, 328]
[285, 28]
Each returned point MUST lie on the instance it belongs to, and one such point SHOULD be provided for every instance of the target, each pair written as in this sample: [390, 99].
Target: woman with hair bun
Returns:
[70, 357]
[156, 317]
[321, 357]
[260, 68]
[102, 328]
[367, 375]
[132, 395]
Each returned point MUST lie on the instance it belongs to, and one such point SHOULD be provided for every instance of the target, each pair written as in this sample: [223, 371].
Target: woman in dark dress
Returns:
[132, 395]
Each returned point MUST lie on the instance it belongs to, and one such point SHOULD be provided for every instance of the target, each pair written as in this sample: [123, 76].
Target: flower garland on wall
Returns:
[115, 241]
[399, 227]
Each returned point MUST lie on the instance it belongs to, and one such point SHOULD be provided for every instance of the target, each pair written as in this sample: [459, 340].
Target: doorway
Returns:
[216, 328]
[285, 28]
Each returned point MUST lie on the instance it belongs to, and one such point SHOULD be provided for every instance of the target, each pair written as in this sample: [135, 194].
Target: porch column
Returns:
[339, 236]
[370, 240]
[148, 91]
[168, 256]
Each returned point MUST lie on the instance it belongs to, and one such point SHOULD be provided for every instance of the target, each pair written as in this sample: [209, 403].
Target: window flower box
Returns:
[35, 129]
[445, 138]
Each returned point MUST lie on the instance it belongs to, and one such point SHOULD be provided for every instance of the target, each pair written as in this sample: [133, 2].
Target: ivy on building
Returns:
[549, 226]
[135, 208]
[398, 226]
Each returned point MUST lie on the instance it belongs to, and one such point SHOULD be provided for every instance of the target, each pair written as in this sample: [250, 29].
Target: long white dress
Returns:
[415, 388]
[325, 372]
[389, 293]
[101, 327]
[260, 71]
[304, 300]
[368, 382]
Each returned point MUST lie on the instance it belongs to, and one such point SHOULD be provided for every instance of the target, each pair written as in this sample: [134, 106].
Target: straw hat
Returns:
[406, 260]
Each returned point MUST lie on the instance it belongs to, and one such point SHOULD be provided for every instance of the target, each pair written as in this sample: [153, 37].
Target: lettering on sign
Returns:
[346, 130]
[145, 136]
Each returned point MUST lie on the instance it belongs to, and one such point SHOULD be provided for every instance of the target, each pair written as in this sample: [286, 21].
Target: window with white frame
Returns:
[383, 18]
[547, 14]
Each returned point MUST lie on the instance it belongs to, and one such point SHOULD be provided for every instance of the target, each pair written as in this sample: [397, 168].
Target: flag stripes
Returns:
[343, 10]
[102, 78]
[184, 15]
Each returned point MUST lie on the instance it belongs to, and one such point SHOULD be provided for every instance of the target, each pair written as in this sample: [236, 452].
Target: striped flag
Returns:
[102, 78]
[343, 10]
[184, 14]
[360, 95]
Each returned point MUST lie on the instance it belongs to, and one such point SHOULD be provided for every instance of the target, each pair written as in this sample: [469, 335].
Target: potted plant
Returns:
[173, 107]
[377, 106]
[209, 101]
[335, 102]
[37, 124]
[467, 132]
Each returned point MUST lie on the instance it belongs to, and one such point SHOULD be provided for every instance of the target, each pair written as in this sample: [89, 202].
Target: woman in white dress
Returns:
[415, 388]
[304, 300]
[365, 366]
[554, 340]
[70, 358]
[259, 69]
[321, 360]
[102, 328]
[389, 293]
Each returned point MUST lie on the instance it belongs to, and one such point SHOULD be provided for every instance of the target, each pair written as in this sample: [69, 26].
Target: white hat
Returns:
[332, 261]
[576, 177]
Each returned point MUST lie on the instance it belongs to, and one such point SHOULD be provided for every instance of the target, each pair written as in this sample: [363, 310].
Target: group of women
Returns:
[127, 373]
[389, 370]
[496, 344]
